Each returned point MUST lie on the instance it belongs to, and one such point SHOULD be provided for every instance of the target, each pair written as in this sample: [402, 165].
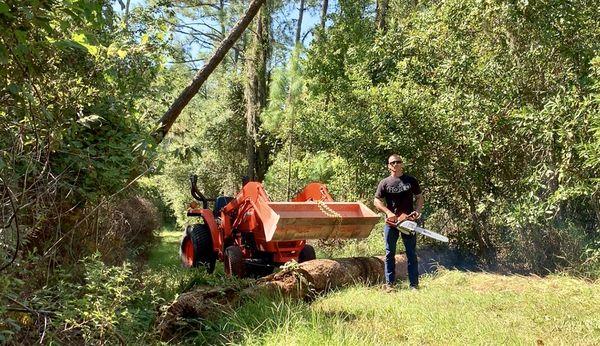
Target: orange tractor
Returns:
[252, 235]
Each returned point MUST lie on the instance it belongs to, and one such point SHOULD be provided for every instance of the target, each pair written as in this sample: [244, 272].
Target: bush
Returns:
[100, 307]
[139, 219]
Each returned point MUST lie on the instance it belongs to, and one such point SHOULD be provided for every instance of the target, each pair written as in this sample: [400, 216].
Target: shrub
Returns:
[95, 308]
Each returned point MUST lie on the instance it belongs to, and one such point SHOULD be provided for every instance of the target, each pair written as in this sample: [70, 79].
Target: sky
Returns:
[311, 19]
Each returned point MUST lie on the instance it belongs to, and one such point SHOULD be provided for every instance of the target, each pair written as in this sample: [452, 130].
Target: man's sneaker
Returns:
[413, 288]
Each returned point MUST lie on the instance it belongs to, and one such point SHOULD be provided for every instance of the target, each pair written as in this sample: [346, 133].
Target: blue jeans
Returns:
[390, 235]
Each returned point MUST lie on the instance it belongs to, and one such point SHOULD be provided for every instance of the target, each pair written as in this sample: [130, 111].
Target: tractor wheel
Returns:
[197, 249]
[234, 262]
[307, 254]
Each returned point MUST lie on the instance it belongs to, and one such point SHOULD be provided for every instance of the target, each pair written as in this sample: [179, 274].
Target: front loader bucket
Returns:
[284, 221]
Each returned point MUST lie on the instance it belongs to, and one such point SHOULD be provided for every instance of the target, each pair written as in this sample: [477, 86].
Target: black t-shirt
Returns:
[398, 193]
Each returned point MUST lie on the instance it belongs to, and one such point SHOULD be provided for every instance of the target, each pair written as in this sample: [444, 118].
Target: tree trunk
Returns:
[485, 248]
[186, 95]
[324, 14]
[303, 282]
[381, 12]
[126, 18]
[299, 24]
[255, 94]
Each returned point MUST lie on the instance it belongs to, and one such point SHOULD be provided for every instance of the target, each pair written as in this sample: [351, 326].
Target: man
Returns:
[395, 197]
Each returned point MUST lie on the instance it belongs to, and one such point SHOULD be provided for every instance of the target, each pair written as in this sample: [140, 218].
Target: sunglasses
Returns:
[393, 163]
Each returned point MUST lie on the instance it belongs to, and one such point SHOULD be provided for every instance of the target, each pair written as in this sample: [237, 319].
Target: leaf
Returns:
[90, 120]
[14, 89]
[21, 36]
[3, 55]
[4, 9]
[82, 40]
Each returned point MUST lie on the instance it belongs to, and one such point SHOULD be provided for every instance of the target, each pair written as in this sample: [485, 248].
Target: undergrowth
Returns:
[94, 303]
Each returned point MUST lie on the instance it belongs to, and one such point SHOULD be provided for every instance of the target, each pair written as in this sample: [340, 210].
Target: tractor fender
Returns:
[209, 220]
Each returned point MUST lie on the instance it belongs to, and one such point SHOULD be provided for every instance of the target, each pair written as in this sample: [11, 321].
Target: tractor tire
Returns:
[234, 262]
[197, 249]
[307, 254]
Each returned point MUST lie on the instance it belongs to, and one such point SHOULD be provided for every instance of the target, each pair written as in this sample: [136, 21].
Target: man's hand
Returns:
[414, 216]
[391, 217]
[393, 220]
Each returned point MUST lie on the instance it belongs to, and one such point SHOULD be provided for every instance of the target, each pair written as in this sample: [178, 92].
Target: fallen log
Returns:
[301, 281]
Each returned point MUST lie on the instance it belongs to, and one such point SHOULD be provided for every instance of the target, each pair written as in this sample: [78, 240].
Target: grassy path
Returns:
[451, 308]
[166, 254]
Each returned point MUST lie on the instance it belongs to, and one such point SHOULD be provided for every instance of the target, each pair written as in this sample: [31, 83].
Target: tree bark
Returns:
[126, 18]
[299, 24]
[303, 282]
[255, 94]
[381, 12]
[324, 14]
[186, 95]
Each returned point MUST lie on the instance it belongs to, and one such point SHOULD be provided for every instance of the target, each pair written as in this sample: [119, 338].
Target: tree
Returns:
[324, 9]
[489, 123]
[381, 12]
[186, 95]
[255, 94]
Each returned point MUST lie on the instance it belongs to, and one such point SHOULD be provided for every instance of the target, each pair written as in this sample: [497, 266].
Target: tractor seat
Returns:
[220, 202]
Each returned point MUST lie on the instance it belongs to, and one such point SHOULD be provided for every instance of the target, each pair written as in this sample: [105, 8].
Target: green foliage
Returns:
[208, 140]
[9, 321]
[97, 305]
[306, 168]
[373, 245]
[100, 304]
[491, 105]
[90, 303]
[591, 265]
[69, 96]
[72, 130]
[494, 105]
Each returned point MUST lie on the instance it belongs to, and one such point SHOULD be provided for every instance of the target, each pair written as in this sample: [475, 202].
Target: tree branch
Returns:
[18, 232]
[184, 98]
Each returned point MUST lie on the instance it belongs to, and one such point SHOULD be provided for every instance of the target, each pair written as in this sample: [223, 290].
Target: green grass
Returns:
[167, 277]
[166, 253]
[452, 307]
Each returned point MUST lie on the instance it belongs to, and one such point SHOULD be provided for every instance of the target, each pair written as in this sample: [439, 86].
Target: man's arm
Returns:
[380, 205]
[419, 203]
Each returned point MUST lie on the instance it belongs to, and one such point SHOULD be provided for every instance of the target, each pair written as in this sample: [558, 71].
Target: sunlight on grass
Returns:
[451, 308]
[165, 274]
[166, 253]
